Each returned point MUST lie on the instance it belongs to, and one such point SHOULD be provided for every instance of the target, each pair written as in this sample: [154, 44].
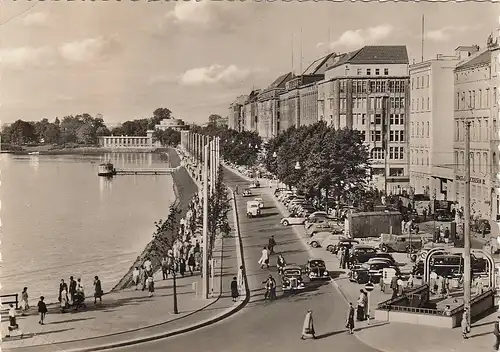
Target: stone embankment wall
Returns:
[184, 189]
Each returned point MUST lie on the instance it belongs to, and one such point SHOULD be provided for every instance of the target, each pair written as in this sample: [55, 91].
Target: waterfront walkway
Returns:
[130, 314]
[393, 337]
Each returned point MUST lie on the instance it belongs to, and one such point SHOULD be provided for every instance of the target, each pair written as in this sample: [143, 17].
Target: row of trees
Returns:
[240, 148]
[84, 129]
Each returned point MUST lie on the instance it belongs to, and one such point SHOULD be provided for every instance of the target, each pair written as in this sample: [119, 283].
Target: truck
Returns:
[253, 208]
[372, 224]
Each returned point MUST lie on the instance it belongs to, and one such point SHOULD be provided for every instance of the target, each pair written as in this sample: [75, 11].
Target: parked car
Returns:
[443, 215]
[361, 253]
[362, 273]
[260, 201]
[386, 256]
[330, 241]
[291, 278]
[400, 243]
[293, 219]
[247, 193]
[348, 242]
[315, 269]
[320, 227]
[255, 184]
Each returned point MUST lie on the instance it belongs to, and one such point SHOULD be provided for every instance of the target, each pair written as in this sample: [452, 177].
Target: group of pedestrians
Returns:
[74, 295]
[308, 330]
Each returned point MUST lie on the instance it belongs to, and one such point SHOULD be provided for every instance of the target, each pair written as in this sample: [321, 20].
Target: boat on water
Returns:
[106, 169]
[34, 153]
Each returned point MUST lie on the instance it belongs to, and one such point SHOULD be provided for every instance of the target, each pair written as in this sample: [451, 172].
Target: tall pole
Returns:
[205, 226]
[467, 266]
[386, 142]
[423, 36]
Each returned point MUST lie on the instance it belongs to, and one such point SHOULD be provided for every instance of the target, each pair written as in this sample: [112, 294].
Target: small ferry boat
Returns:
[106, 169]
[34, 153]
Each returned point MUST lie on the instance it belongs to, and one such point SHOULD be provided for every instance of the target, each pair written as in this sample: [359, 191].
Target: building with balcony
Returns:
[367, 90]
[299, 101]
[475, 103]
[175, 124]
[268, 107]
[431, 113]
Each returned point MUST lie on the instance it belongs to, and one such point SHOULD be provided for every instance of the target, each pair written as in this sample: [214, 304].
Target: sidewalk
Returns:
[129, 315]
[394, 337]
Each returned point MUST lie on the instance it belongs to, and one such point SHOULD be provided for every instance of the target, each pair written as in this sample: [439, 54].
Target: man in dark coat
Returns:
[72, 289]
[62, 286]
[496, 332]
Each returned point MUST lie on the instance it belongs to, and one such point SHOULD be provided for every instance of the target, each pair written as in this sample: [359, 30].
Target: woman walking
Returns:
[350, 319]
[308, 327]
[191, 263]
[234, 289]
[465, 324]
[97, 290]
[24, 300]
[42, 309]
[64, 300]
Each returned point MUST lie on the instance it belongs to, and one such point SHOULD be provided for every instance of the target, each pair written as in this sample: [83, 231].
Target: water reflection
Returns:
[121, 159]
[34, 162]
[105, 186]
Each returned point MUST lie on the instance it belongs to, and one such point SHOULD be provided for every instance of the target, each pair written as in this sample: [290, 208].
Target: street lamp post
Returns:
[174, 283]
[205, 224]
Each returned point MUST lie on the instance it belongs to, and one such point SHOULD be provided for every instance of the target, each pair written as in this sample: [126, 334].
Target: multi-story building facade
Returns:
[494, 133]
[235, 115]
[431, 113]
[298, 104]
[269, 107]
[368, 90]
[476, 104]
[250, 115]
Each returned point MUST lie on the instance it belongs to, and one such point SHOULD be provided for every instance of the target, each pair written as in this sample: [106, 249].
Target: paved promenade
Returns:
[397, 337]
[129, 314]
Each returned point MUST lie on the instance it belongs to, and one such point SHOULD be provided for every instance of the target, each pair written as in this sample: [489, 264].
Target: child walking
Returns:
[42, 309]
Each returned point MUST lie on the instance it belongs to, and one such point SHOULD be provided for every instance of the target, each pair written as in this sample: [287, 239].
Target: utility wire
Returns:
[18, 15]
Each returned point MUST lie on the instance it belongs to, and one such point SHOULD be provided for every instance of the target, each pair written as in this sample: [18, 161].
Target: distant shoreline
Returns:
[78, 151]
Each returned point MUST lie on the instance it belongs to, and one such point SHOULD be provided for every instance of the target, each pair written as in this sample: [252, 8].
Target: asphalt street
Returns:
[263, 325]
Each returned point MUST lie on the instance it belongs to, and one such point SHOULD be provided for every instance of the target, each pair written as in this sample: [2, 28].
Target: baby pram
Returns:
[79, 300]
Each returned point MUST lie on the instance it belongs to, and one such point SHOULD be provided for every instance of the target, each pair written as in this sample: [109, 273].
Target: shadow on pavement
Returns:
[372, 326]
[329, 334]
[267, 215]
[70, 321]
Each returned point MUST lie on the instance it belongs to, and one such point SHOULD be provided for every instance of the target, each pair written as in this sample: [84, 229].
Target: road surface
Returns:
[269, 326]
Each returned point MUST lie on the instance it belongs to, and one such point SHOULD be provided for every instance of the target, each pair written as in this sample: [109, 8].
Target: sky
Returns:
[124, 59]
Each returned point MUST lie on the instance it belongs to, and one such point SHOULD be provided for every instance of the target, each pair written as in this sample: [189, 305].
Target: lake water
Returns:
[58, 218]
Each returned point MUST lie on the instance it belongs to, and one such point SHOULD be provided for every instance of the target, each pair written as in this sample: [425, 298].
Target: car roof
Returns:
[292, 266]
[315, 259]
[365, 246]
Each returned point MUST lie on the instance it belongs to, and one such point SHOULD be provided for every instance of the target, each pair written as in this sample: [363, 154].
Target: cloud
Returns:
[445, 33]
[215, 74]
[63, 97]
[36, 19]
[22, 57]
[360, 37]
[88, 50]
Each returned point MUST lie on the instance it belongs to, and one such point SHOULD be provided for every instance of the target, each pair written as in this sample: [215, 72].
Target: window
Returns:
[401, 119]
[363, 136]
[379, 103]
[377, 153]
[457, 103]
[396, 172]
[422, 104]
[378, 119]
[480, 99]
[391, 119]
[359, 72]
[413, 129]
[412, 105]
[378, 136]
[494, 96]
[386, 72]
[391, 136]
[479, 131]
[412, 83]
[402, 102]
[401, 136]
[368, 72]
[428, 103]
[377, 72]
[473, 99]
[418, 82]
[418, 129]
[363, 119]
[423, 130]
[428, 128]
[428, 79]
[487, 97]
[391, 153]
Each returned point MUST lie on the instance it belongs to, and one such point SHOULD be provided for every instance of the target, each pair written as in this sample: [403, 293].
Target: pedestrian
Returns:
[62, 286]
[360, 312]
[13, 326]
[164, 268]
[80, 295]
[24, 300]
[240, 280]
[465, 323]
[234, 289]
[144, 277]
[271, 244]
[135, 277]
[496, 332]
[236, 190]
[349, 324]
[394, 286]
[264, 259]
[64, 301]
[342, 258]
[424, 213]
[182, 266]
[97, 290]
[191, 263]
[72, 290]
[151, 286]
[42, 309]
[148, 266]
[308, 326]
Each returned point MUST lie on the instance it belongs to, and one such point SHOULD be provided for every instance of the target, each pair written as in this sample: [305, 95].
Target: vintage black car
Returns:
[361, 253]
[451, 265]
[347, 242]
[291, 278]
[316, 269]
[371, 271]
[247, 193]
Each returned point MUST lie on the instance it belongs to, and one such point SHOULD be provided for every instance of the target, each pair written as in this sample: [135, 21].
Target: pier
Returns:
[145, 171]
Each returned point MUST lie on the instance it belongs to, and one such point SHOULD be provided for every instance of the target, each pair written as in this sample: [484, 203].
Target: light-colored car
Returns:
[253, 209]
[261, 202]
[293, 220]
[319, 227]
[329, 241]
[318, 213]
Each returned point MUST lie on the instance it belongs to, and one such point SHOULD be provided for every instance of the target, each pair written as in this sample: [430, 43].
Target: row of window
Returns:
[479, 130]
[479, 163]
[471, 100]
[395, 153]
[419, 157]
[418, 104]
[376, 71]
[420, 82]
[419, 129]
[374, 86]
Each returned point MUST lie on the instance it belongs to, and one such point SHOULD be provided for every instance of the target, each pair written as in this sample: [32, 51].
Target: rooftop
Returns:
[319, 66]
[281, 80]
[475, 60]
[376, 54]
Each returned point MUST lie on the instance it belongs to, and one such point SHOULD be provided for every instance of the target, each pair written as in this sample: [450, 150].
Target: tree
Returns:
[168, 137]
[85, 134]
[102, 131]
[51, 134]
[22, 132]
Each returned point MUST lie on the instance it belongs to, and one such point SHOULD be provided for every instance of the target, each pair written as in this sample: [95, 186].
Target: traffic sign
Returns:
[369, 287]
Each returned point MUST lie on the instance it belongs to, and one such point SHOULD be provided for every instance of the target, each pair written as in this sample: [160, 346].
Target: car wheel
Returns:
[314, 244]
[329, 248]
[285, 222]
[384, 248]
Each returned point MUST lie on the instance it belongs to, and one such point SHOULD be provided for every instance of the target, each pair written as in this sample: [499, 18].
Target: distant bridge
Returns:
[145, 171]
